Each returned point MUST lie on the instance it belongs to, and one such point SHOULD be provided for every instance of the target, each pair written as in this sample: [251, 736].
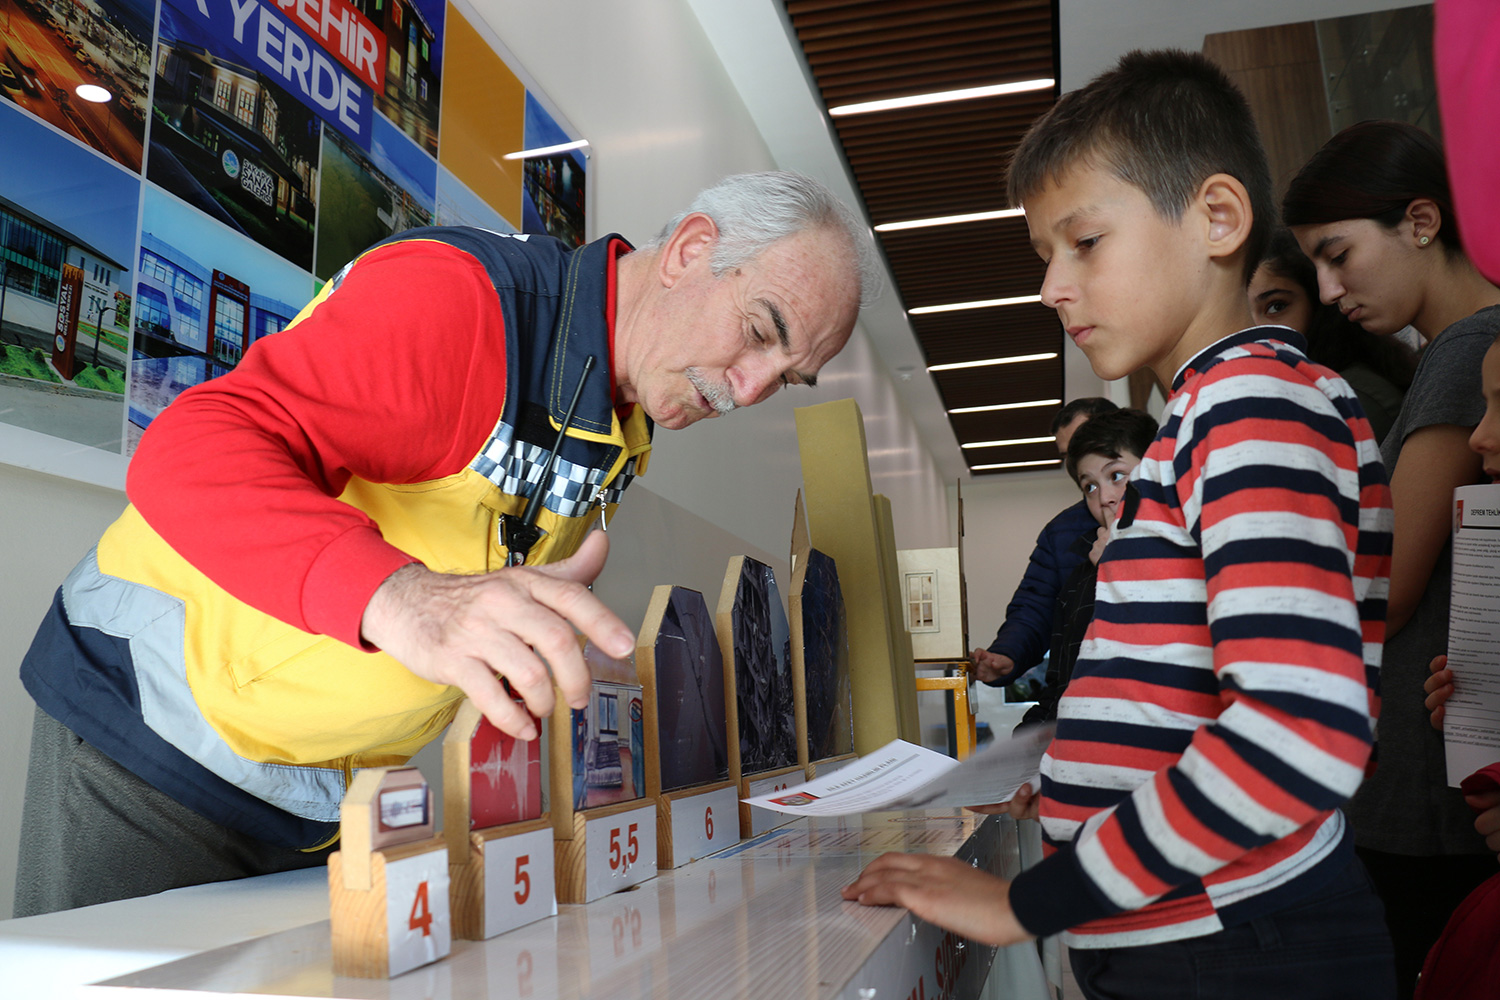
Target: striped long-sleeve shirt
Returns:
[1224, 699]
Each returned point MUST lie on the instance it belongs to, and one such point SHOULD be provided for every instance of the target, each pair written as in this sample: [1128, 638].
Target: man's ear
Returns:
[693, 238]
[1225, 205]
[1426, 219]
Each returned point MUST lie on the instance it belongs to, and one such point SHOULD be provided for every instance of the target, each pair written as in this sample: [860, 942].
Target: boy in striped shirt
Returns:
[1224, 699]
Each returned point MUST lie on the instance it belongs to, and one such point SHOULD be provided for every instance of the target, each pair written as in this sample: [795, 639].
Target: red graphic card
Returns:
[505, 778]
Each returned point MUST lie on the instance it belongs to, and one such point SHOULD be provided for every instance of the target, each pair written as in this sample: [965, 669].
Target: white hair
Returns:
[752, 211]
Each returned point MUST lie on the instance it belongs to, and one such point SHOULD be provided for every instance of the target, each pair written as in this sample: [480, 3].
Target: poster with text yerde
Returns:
[164, 207]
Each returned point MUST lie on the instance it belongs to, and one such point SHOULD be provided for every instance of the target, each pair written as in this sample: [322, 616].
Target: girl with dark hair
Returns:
[1372, 210]
[1284, 291]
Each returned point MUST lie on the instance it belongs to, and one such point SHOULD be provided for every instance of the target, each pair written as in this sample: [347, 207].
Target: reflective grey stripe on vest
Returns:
[153, 623]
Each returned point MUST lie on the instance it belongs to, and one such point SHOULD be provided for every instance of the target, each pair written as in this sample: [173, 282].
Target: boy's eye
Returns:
[1118, 475]
[1087, 243]
[1088, 488]
[1339, 260]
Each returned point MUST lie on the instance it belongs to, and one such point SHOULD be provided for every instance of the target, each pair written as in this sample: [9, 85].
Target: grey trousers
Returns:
[92, 832]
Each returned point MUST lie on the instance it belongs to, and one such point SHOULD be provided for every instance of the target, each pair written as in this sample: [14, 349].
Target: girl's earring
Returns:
[1424, 241]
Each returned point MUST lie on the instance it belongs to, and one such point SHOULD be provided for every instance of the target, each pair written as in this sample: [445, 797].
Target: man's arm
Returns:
[1287, 735]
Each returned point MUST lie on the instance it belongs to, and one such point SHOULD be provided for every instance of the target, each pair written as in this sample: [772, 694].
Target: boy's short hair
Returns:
[1091, 406]
[1163, 121]
[1111, 435]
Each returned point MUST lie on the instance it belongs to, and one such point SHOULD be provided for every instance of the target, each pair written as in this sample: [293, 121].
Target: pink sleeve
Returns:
[1467, 40]
[397, 377]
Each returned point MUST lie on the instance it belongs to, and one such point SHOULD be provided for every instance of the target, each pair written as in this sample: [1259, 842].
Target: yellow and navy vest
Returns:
[259, 725]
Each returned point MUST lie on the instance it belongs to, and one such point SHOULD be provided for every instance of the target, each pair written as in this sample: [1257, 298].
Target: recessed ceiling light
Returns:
[1006, 406]
[1014, 465]
[93, 92]
[949, 220]
[941, 97]
[993, 361]
[531, 154]
[997, 444]
[1016, 300]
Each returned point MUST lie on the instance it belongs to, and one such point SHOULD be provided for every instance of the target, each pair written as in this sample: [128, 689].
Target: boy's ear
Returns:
[1225, 205]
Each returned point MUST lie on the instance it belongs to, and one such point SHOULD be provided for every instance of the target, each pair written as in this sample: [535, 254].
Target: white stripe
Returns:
[1310, 682]
[1177, 591]
[1088, 775]
[1101, 870]
[1293, 749]
[1304, 602]
[1216, 786]
[1129, 710]
[1156, 935]
[1176, 849]
[1273, 526]
[1315, 850]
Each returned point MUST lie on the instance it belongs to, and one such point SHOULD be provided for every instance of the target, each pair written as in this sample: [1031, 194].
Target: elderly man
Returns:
[320, 556]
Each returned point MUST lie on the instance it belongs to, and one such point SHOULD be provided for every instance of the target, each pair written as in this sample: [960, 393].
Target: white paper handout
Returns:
[1471, 721]
[902, 775]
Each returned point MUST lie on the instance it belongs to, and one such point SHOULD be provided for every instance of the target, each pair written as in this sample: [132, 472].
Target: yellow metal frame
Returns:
[963, 708]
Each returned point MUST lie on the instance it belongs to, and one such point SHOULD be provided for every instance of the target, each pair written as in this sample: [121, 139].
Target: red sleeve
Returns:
[397, 377]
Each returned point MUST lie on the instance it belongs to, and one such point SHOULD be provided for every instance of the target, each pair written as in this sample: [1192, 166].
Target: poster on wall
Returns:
[67, 240]
[82, 68]
[149, 240]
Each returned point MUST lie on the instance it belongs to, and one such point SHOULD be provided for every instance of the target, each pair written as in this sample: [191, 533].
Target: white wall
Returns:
[644, 86]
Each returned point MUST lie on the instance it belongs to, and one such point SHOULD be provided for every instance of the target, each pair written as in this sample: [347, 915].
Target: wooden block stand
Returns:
[602, 849]
[690, 822]
[500, 877]
[755, 821]
[801, 553]
[388, 905]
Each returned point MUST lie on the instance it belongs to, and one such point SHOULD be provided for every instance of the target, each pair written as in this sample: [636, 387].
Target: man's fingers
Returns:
[483, 687]
[562, 587]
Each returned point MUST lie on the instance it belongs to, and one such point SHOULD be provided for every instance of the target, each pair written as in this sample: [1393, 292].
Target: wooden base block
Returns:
[408, 893]
[609, 848]
[755, 821]
[828, 765]
[506, 880]
[695, 822]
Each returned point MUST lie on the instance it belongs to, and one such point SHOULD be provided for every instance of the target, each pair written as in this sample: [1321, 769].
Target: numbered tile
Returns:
[762, 820]
[518, 881]
[418, 927]
[703, 824]
[620, 852]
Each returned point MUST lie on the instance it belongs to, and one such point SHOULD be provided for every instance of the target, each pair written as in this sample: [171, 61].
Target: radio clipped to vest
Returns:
[519, 534]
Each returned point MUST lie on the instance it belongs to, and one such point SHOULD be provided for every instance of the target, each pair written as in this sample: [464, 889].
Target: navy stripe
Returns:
[1128, 734]
[1325, 713]
[1225, 826]
[1254, 552]
[1283, 775]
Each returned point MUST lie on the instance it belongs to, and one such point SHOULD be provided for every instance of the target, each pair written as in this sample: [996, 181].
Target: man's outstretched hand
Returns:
[469, 631]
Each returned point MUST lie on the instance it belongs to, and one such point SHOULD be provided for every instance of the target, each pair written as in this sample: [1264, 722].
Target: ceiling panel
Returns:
[949, 159]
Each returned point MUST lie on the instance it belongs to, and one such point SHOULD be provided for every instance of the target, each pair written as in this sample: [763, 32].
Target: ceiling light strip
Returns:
[1017, 300]
[1014, 465]
[990, 408]
[997, 444]
[1017, 359]
[941, 97]
[950, 220]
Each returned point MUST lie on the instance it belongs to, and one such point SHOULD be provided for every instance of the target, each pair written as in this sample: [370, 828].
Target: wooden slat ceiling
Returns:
[949, 159]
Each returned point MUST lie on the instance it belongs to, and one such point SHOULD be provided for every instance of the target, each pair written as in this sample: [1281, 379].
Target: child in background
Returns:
[1284, 290]
[1222, 704]
[1373, 211]
[1101, 456]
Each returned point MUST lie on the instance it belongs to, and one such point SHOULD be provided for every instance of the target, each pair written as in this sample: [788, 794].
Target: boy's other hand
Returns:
[990, 667]
[1101, 539]
[944, 891]
[1439, 688]
[1022, 805]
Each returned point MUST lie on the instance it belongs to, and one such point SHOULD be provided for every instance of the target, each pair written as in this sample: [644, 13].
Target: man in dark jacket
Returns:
[1027, 630]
